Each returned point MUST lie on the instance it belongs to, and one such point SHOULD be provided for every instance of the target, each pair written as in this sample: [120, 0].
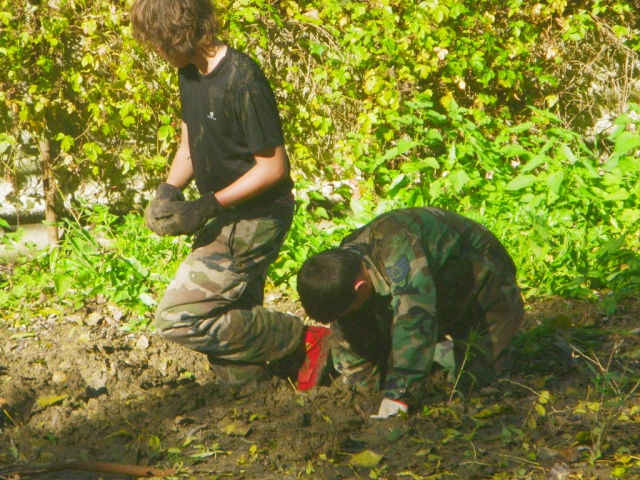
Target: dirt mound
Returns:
[81, 388]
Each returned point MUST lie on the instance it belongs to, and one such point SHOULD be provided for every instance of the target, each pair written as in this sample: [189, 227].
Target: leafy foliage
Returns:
[471, 106]
[74, 75]
[102, 256]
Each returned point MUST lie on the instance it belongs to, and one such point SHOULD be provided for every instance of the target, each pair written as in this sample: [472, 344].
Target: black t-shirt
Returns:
[231, 114]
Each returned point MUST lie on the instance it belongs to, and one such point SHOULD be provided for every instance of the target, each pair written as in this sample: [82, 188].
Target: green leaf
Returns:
[626, 142]
[403, 147]
[458, 180]
[398, 183]
[523, 127]
[544, 397]
[554, 181]
[147, 299]
[63, 283]
[128, 121]
[237, 428]
[611, 247]
[203, 454]
[6, 142]
[513, 150]
[49, 400]
[520, 182]
[620, 194]
[154, 443]
[367, 458]
[166, 133]
[566, 151]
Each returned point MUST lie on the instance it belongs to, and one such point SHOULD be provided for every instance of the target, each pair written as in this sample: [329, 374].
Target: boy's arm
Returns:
[257, 112]
[185, 218]
[414, 329]
[355, 369]
[270, 169]
[181, 171]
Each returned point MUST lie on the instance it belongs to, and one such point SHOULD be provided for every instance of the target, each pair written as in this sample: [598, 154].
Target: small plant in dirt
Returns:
[607, 400]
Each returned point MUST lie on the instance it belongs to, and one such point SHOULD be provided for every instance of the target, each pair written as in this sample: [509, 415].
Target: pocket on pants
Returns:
[205, 282]
[228, 285]
[255, 243]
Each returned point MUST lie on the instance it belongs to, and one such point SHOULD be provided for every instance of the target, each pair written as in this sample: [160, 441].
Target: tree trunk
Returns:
[49, 186]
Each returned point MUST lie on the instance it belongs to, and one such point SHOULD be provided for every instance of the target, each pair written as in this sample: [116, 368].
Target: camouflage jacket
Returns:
[420, 262]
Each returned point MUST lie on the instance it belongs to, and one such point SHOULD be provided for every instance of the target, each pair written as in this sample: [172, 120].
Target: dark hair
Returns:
[175, 26]
[326, 283]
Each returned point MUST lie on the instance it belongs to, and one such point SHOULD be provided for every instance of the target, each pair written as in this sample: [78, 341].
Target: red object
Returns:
[317, 347]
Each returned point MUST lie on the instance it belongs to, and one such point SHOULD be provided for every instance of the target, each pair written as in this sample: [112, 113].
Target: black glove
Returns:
[166, 191]
[185, 218]
[165, 194]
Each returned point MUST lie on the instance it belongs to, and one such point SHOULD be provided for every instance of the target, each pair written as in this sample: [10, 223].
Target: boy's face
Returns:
[174, 59]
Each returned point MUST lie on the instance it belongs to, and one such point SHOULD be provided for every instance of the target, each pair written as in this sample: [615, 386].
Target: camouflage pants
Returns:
[214, 304]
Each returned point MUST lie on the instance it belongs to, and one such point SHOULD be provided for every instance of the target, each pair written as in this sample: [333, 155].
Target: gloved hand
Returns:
[165, 194]
[389, 408]
[168, 192]
[185, 218]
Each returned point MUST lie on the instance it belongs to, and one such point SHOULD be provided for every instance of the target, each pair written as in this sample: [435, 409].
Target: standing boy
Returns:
[232, 145]
[405, 282]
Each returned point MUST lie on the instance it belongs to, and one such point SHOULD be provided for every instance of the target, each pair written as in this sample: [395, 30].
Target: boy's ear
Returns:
[360, 283]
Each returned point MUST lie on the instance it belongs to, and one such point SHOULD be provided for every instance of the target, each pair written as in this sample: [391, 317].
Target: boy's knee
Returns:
[162, 323]
[180, 335]
[184, 329]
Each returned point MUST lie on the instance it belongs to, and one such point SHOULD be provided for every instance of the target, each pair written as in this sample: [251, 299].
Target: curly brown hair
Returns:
[175, 26]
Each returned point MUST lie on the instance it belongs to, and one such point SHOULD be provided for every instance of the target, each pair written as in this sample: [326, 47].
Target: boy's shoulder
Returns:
[244, 63]
[236, 64]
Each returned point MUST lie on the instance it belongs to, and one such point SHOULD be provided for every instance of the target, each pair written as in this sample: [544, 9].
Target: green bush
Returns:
[486, 108]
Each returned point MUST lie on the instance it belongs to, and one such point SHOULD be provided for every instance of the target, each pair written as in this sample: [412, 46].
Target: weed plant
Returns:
[608, 397]
[101, 256]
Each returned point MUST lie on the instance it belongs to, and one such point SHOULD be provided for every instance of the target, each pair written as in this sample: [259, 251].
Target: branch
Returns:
[103, 467]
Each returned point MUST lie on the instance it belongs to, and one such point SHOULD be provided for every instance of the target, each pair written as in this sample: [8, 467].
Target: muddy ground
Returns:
[79, 387]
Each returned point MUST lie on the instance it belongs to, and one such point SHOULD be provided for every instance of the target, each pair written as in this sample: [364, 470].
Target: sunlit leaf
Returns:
[554, 181]
[544, 397]
[587, 407]
[626, 142]
[147, 299]
[121, 433]
[520, 182]
[154, 443]
[367, 458]
[204, 454]
[237, 428]
[22, 335]
[49, 400]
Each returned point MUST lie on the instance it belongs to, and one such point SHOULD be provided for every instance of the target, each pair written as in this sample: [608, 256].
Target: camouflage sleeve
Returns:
[414, 329]
[355, 369]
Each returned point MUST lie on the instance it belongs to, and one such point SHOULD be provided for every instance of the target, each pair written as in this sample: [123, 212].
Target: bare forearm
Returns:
[181, 171]
[270, 169]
